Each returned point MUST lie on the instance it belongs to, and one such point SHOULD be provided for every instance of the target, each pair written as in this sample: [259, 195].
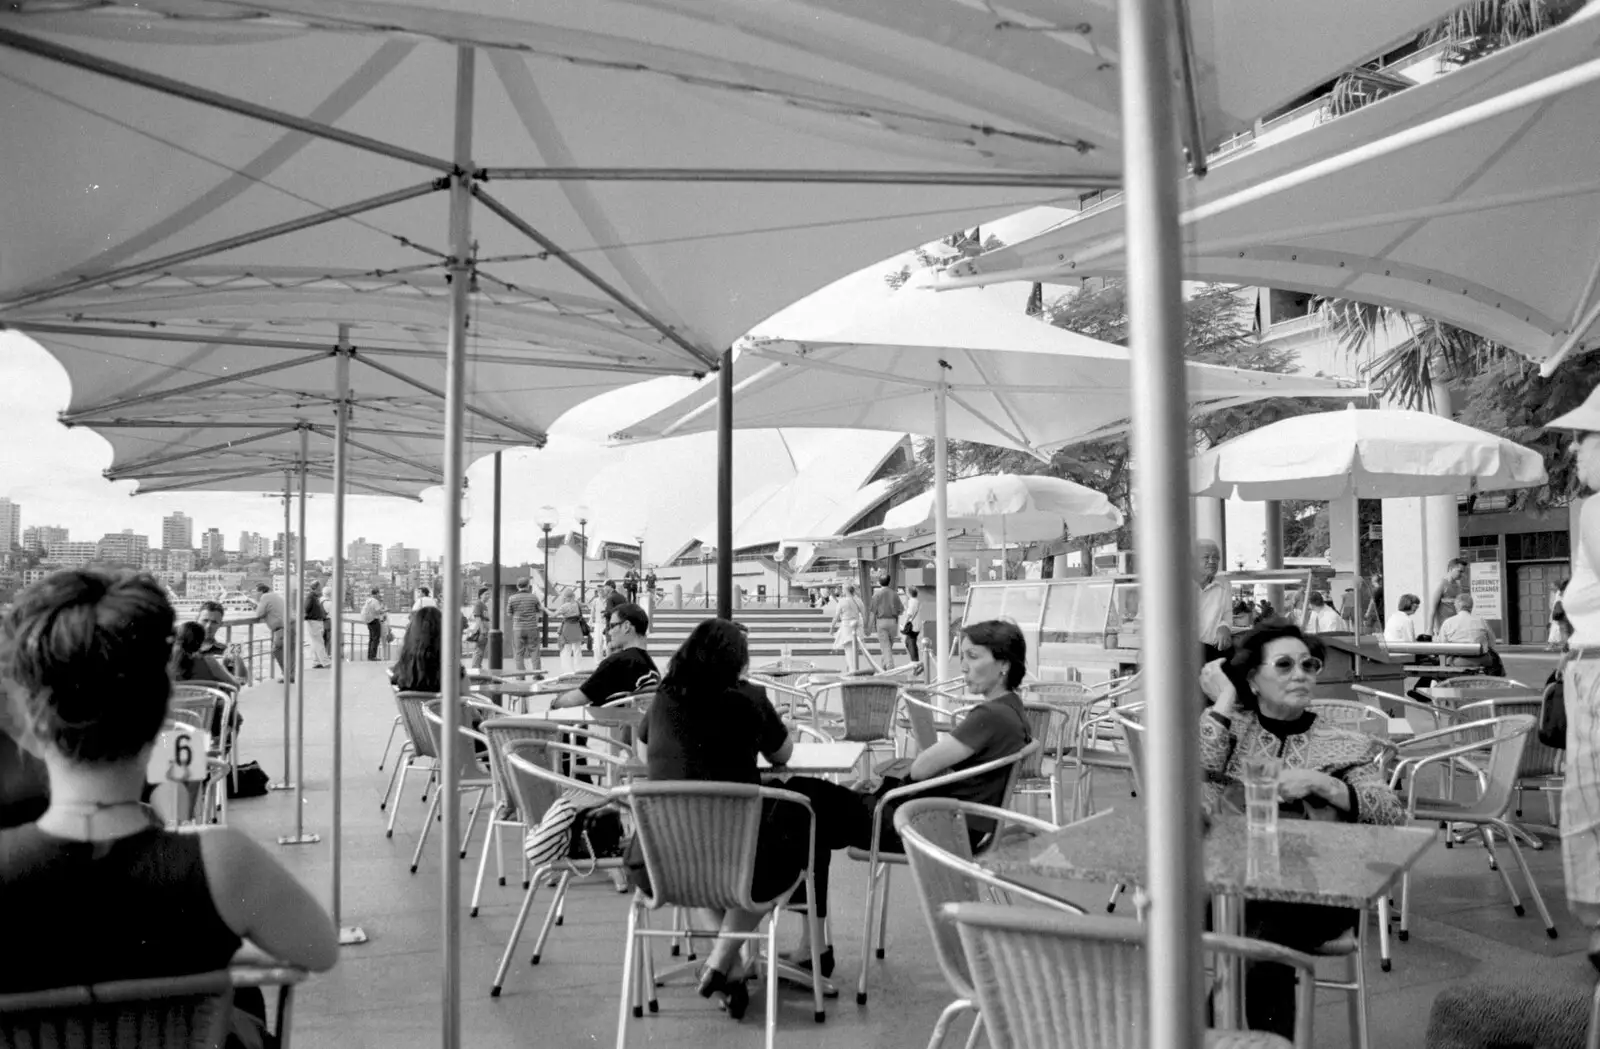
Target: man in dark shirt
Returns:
[886, 612]
[316, 617]
[628, 668]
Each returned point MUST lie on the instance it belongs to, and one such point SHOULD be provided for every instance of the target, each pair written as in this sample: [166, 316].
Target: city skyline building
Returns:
[403, 558]
[177, 531]
[70, 554]
[125, 546]
[10, 524]
[211, 546]
[39, 537]
[364, 556]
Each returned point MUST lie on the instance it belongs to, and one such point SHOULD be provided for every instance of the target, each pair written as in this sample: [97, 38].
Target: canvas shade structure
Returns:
[929, 112]
[1364, 453]
[1012, 508]
[1471, 198]
[969, 365]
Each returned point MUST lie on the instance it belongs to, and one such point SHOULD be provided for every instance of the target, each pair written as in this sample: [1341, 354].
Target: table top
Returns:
[819, 757]
[519, 688]
[1335, 864]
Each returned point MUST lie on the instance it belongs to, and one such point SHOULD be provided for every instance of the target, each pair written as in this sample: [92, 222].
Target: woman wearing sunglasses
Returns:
[1261, 707]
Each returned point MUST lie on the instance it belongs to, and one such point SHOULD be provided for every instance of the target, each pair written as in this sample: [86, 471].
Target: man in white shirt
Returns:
[1467, 628]
[1321, 619]
[1401, 627]
[1215, 602]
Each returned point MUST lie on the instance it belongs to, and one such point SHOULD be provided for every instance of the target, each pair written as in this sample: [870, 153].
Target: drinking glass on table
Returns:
[1261, 794]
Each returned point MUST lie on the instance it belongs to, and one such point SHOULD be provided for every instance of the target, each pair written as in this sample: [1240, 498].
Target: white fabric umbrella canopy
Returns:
[1014, 381]
[1488, 224]
[1364, 453]
[1013, 508]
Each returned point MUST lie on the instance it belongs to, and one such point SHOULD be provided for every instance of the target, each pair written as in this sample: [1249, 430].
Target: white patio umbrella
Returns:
[1012, 508]
[969, 365]
[1364, 453]
[1472, 198]
[875, 130]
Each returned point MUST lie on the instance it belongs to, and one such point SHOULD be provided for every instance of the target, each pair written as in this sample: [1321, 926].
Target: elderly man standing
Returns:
[1215, 597]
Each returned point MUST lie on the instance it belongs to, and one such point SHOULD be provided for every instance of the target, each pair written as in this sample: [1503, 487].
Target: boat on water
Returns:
[234, 602]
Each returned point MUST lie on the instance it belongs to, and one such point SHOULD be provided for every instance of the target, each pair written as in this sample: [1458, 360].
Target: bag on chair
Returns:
[1553, 713]
[253, 781]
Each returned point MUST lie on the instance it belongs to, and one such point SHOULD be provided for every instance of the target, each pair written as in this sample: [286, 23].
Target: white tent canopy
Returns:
[1013, 508]
[1486, 223]
[1014, 380]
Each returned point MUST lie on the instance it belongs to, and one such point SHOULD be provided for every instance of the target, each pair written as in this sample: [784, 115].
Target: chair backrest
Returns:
[1055, 981]
[1506, 738]
[1046, 722]
[1478, 681]
[197, 703]
[466, 755]
[1046, 691]
[923, 718]
[1537, 758]
[938, 848]
[500, 734]
[530, 768]
[1347, 713]
[1133, 738]
[175, 1012]
[411, 705]
[868, 707]
[698, 840]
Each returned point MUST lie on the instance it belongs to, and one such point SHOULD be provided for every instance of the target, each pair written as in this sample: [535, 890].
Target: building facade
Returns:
[10, 525]
[177, 532]
[72, 554]
[363, 556]
[403, 558]
[211, 546]
[124, 546]
[38, 538]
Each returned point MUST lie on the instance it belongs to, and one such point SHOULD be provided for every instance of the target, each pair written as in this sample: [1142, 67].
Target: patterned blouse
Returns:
[1304, 743]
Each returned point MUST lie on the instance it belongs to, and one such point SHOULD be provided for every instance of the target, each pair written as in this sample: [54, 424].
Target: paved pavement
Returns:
[386, 994]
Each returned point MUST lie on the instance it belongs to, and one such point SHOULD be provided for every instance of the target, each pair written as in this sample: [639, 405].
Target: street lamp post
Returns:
[583, 556]
[710, 557]
[546, 521]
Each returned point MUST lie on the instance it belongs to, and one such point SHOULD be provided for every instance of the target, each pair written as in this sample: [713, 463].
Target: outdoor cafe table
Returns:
[807, 759]
[1332, 864]
[1459, 697]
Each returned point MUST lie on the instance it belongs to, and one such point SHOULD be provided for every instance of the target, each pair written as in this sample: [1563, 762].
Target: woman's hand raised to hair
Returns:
[1218, 688]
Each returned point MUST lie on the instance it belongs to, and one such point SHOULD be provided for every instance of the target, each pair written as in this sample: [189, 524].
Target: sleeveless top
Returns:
[86, 912]
[1581, 599]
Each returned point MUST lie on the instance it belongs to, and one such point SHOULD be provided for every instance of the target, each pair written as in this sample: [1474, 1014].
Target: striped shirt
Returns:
[524, 609]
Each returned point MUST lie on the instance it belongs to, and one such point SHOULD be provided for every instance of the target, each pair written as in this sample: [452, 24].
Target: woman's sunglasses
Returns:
[1285, 665]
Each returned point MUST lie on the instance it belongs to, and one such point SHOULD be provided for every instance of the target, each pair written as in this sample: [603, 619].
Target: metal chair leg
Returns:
[1486, 834]
[941, 1026]
[1359, 1038]
[402, 770]
[883, 912]
[394, 728]
[868, 926]
[472, 823]
[427, 825]
[1533, 888]
[628, 976]
[1383, 932]
[516, 934]
[483, 864]
[550, 916]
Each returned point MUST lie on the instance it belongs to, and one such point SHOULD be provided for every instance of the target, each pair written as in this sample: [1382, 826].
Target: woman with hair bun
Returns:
[96, 888]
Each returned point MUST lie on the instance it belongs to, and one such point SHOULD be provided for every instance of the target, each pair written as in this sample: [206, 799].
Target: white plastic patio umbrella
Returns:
[1472, 198]
[1364, 453]
[1012, 508]
[968, 365]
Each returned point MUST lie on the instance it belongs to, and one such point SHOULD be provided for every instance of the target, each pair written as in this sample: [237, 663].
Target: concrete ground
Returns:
[386, 994]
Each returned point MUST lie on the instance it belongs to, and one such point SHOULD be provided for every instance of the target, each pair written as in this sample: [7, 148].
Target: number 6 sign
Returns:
[179, 755]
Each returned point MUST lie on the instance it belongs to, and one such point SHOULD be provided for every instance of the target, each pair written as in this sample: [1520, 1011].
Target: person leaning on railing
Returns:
[96, 889]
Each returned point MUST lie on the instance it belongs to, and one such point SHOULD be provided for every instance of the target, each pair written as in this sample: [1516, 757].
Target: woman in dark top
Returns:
[417, 669]
[703, 726]
[96, 888]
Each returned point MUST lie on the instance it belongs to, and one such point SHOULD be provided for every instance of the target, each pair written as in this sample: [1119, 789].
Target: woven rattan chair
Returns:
[939, 853]
[1059, 981]
[1541, 765]
[169, 1012]
[1049, 724]
[1506, 741]
[1481, 683]
[698, 841]
[923, 719]
[880, 863]
[500, 733]
[474, 778]
[868, 710]
[417, 752]
[1099, 747]
[529, 765]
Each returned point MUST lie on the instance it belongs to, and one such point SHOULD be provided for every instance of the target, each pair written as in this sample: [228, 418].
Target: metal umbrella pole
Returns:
[496, 634]
[1161, 492]
[293, 660]
[725, 486]
[941, 530]
[284, 780]
[454, 474]
[348, 934]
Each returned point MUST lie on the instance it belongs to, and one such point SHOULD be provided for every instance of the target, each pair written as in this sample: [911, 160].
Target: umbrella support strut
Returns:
[294, 660]
[349, 935]
[284, 782]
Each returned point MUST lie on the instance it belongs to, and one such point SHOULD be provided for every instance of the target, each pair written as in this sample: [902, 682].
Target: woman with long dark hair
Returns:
[188, 663]
[421, 653]
[704, 724]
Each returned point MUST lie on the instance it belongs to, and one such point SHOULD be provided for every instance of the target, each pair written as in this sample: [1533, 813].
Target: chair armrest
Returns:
[277, 974]
[1305, 990]
[913, 789]
[807, 730]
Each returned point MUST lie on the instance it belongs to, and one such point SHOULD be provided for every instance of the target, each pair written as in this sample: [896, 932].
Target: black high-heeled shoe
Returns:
[803, 961]
[735, 992]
